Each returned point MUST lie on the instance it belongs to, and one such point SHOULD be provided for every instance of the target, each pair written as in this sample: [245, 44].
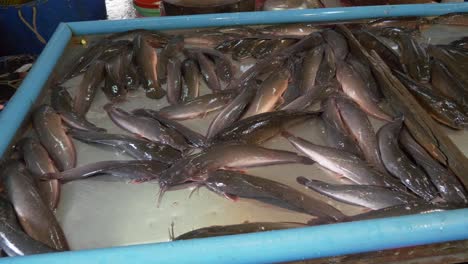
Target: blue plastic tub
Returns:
[17, 38]
[266, 247]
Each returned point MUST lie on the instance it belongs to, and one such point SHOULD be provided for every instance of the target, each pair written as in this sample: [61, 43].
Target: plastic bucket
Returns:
[18, 38]
[147, 8]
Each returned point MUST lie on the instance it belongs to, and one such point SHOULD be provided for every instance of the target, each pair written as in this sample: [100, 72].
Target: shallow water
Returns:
[102, 212]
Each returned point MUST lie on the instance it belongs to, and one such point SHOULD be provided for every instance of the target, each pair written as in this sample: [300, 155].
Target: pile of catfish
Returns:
[297, 68]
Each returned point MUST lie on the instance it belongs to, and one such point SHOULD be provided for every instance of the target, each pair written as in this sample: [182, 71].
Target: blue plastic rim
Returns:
[266, 247]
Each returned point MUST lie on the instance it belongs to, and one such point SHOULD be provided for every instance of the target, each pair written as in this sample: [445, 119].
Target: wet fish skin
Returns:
[414, 58]
[197, 107]
[327, 68]
[138, 148]
[408, 22]
[291, 29]
[364, 70]
[214, 231]
[447, 184]
[125, 169]
[269, 93]
[447, 84]
[343, 163]
[355, 87]
[310, 66]
[232, 111]
[191, 76]
[174, 46]
[373, 197]
[270, 63]
[244, 49]
[174, 81]
[207, 68]
[62, 102]
[337, 134]
[224, 156]
[259, 128]
[224, 67]
[38, 162]
[456, 60]
[194, 138]
[234, 184]
[115, 84]
[228, 45]
[34, 215]
[439, 107]
[337, 42]
[147, 60]
[146, 127]
[370, 41]
[460, 43]
[310, 97]
[13, 241]
[131, 78]
[359, 127]
[101, 50]
[88, 87]
[48, 126]
[405, 209]
[399, 165]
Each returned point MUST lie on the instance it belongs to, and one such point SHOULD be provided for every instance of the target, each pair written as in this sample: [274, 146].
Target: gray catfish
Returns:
[37, 220]
[399, 165]
[341, 162]
[137, 148]
[370, 196]
[224, 68]
[39, 163]
[48, 126]
[88, 87]
[198, 107]
[441, 108]
[232, 111]
[193, 138]
[12, 239]
[364, 70]
[174, 46]
[146, 127]
[337, 42]
[313, 95]
[259, 128]
[269, 93]
[62, 102]
[360, 128]
[310, 66]
[370, 41]
[337, 134]
[191, 75]
[448, 185]
[207, 68]
[174, 81]
[404, 209]
[233, 184]
[115, 87]
[226, 230]
[447, 84]
[147, 61]
[327, 68]
[414, 58]
[356, 88]
[126, 169]
[227, 156]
